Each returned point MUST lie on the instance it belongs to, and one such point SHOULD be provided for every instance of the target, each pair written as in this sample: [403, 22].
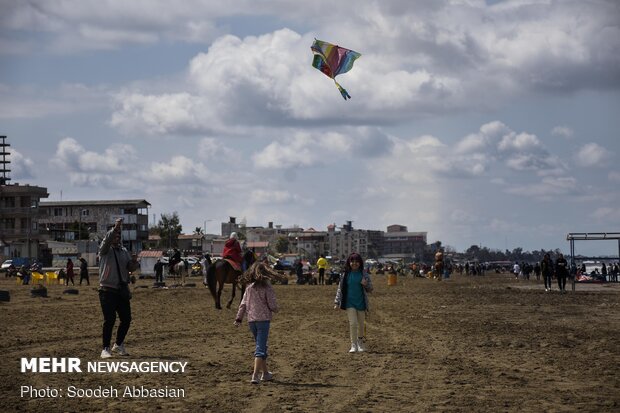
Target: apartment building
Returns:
[20, 234]
[71, 221]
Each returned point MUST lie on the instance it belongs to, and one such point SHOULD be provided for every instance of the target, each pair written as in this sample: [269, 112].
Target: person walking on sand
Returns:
[561, 272]
[84, 271]
[322, 266]
[115, 263]
[69, 272]
[546, 268]
[352, 296]
[159, 271]
[259, 303]
[516, 269]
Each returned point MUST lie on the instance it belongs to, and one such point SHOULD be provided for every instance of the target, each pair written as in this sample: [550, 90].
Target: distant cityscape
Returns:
[51, 232]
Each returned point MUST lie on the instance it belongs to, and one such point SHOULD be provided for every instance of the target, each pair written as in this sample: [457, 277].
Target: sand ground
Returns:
[468, 344]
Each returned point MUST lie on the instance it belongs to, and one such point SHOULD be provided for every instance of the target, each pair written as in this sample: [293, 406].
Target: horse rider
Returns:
[36, 266]
[174, 260]
[232, 249]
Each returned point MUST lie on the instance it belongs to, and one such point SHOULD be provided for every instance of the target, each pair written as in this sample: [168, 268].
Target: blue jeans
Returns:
[260, 331]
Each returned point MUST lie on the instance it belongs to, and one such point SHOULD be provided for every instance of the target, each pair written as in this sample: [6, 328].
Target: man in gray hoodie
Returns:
[115, 264]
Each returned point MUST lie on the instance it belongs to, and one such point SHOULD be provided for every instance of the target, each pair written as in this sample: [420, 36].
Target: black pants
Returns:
[84, 277]
[547, 278]
[561, 281]
[111, 304]
[159, 277]
[321, 276]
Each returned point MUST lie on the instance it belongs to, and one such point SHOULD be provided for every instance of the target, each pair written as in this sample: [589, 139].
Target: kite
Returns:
[333, 60]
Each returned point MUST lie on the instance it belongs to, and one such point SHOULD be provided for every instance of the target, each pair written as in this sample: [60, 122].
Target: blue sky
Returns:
[490, 123]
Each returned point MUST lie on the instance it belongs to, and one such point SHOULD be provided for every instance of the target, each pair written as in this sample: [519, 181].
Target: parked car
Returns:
[5, 265]
[16, 261]
[191, 260]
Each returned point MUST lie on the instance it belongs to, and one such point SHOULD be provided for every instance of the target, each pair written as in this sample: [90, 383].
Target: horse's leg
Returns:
[218, 304]
[234, 288]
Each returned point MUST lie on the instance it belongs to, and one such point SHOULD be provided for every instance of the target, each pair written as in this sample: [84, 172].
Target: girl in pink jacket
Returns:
[259, 303]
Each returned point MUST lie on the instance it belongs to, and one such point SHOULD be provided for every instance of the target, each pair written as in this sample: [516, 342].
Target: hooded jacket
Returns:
[108, 270]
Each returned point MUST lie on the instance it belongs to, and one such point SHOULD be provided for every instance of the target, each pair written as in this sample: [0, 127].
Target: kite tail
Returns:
[343, 91]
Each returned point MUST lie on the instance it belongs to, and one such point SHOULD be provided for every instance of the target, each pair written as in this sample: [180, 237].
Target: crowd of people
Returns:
[64, 274]
[259, 304]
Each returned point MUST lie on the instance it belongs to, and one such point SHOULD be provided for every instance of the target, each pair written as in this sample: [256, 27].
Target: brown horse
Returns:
[220, 273]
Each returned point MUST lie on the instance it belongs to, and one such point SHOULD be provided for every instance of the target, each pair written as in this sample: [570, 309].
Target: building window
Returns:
[85, 212]
[57, 212]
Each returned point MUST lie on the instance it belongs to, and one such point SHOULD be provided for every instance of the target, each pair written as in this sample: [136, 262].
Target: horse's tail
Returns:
[211, 280]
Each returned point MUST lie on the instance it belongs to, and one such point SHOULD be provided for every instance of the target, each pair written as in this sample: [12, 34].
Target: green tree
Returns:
[169, 228]
[282, 245]
[473, 252]
[198, 231]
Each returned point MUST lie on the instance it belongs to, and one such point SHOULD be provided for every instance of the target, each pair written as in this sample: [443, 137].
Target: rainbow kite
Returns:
[333, 60]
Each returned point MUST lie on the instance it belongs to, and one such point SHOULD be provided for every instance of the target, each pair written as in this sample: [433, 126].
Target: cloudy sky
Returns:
[492, 123]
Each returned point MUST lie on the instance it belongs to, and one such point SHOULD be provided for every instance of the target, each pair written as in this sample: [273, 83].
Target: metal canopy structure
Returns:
[584, 236]
[590, 236]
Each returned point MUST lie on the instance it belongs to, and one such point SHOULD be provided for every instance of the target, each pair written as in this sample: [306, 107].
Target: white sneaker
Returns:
[105, 353]
[353, 348]
[267, 376]
[360, 346]
[120, 349]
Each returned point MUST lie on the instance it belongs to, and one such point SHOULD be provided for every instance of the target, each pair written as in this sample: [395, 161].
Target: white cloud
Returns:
[541, 163]
[472, 143]
[562, 131]
[547, 189]
[592, 154]
[73, 157]
[76, 26]
[414, 63]
[302, 150]
[262, 196]
[211, 148]
[306, 149]
[180, 170]
[178, 113]
[519, 143]
[115, 167]
[21, 167]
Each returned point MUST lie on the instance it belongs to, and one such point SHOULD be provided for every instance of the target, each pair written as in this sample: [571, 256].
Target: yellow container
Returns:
[391, 278]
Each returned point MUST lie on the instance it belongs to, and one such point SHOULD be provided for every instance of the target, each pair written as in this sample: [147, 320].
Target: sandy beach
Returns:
[483, 344]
